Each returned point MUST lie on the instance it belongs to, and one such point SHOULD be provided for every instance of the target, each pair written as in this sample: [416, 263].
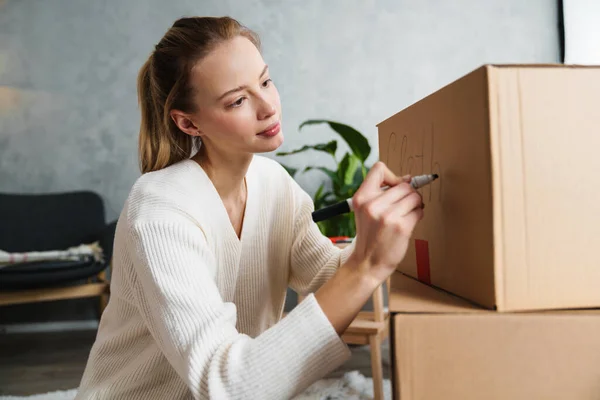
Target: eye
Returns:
[267, 82]
[237, 103]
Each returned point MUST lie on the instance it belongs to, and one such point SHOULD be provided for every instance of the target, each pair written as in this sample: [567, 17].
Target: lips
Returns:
[271, 130]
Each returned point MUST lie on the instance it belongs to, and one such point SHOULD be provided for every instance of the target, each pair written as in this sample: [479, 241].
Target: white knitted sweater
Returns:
[195, 312]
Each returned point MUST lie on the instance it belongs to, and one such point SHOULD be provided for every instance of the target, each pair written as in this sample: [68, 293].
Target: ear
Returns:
[185, 123]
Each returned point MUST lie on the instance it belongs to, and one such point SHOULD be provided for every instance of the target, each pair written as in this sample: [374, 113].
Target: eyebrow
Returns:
[237, 89]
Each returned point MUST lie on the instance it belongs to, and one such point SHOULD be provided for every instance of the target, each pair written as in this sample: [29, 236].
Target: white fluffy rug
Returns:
[351, 386]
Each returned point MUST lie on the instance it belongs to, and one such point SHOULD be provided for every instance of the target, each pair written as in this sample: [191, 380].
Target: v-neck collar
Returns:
[219, 206]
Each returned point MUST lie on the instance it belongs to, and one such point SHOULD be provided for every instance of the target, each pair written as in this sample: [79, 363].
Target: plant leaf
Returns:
[341, 225]
[319, 192]
[322, 199]
[359, 177]
[290, 170]
[332, 174]
[357, 142]
[319, 197]
[329, 148]
[347, 169]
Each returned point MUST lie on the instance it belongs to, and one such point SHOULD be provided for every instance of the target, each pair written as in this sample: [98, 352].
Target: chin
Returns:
[270, 144]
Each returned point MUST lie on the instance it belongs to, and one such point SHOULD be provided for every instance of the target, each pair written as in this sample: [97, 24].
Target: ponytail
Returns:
[160, 142]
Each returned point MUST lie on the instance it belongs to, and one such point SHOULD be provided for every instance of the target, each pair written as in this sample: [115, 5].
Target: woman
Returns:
[212, 235]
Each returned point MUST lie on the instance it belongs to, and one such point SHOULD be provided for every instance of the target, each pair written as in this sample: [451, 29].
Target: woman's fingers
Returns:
[408, 204]
[379, 205]
[410, 207]
[410, 220]
[385, 220]
[379, 175]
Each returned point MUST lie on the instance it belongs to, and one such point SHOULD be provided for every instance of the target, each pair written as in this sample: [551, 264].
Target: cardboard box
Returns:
[514, 221]
[446, 348]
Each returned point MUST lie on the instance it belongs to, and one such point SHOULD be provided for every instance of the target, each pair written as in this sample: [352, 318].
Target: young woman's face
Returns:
[238, 106]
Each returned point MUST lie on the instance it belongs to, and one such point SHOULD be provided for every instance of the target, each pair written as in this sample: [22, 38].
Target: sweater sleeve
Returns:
[196, 330]
[314, 257]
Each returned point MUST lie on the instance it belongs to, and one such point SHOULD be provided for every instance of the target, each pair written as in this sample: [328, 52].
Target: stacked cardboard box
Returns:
[512, 225]
[447, 348]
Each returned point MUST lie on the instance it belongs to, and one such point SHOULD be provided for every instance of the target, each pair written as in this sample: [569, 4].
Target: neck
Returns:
[227, 172]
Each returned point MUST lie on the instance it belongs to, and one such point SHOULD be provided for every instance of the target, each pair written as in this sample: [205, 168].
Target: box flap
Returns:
[408, 295]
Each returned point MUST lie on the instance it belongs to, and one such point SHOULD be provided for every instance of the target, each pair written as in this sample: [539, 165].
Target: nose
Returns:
[266, 108]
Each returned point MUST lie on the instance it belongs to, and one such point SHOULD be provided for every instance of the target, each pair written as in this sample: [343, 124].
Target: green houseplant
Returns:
[344, 180]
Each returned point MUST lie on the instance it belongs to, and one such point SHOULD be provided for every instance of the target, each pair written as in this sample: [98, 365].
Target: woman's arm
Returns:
[195, 328]
[314, 258]
[384, 225]
[320, 266]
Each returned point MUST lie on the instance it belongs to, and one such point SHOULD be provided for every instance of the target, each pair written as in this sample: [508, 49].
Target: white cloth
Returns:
[195, 312]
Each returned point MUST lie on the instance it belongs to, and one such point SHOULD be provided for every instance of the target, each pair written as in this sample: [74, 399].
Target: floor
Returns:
[44, 362]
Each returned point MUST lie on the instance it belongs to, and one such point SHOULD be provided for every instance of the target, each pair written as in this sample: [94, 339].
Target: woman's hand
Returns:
[385, 221]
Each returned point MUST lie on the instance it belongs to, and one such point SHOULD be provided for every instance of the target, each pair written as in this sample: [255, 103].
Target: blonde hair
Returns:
[163, 84]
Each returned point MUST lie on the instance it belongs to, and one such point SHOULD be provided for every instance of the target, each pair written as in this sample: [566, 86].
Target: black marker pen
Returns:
[345, 206]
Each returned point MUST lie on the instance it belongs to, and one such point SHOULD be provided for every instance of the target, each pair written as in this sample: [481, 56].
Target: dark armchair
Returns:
[40, 222]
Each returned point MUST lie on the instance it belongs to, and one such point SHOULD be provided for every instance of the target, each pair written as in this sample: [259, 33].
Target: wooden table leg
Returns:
[376, 367]
[393, 375]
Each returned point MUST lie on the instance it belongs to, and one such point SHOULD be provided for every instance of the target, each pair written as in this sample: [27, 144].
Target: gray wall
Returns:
[68, 110]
